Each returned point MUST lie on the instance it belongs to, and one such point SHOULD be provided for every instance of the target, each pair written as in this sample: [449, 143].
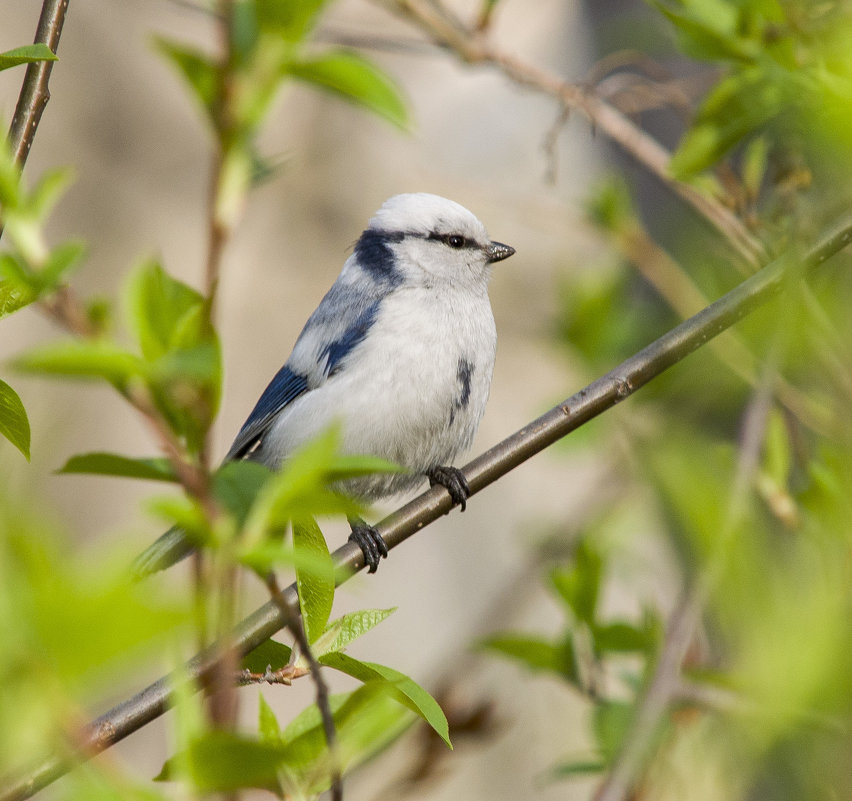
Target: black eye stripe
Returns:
[454, 241]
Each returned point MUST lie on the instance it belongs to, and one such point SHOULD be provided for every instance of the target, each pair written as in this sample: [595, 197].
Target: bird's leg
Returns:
[453, 481]
[368, 539]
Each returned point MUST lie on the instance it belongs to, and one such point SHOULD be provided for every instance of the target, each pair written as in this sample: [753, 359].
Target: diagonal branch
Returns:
[569, 415]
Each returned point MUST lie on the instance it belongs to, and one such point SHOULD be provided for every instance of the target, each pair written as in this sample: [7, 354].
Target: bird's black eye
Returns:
[456, 241]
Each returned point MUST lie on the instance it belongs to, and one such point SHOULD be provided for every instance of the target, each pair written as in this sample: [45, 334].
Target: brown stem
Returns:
[35, 92]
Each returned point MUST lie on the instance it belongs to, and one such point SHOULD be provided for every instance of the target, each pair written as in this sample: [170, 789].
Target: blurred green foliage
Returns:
[738, 458]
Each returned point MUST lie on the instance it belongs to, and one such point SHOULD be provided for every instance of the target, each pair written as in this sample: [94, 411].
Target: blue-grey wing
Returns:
[339, 324]
[284, 388]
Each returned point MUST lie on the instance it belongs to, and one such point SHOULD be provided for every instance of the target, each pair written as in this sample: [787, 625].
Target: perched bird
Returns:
[399, 352]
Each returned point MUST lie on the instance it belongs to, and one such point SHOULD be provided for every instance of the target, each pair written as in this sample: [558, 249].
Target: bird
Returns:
[399, 354]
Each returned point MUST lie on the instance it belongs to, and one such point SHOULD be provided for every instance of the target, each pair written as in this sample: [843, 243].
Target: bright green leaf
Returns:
[408, 692]
[709, 30]
[13, 270]
[316, 588]
[290, 20]
[269, 654]
[755, 164]
[157, 305]
[621, 637]
[300, 489]
[237, 484]
[197, 69]
[737, 107]
[352, 77]
[14, 297]
[579, 584]
[14, 424]
[60, 261]
[48, 190]
[536, 653]
[579, 768]
[112, 464]
[611, 721]
[26, 55]
[267, 724]
[348, 628]
[366, 720]
[221, 761]
[98, 359]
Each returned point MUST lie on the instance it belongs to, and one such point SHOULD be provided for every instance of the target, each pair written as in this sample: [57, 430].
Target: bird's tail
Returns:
[164, 552]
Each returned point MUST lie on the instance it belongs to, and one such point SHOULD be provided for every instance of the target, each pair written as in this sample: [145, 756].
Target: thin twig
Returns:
[588, 403]
[473, 48]
[35, 92]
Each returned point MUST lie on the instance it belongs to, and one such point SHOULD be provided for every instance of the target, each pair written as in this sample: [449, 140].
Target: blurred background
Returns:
[140, 152]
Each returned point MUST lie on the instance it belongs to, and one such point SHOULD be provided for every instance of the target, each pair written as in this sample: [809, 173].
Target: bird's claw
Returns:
[453, 481]
[368, 539]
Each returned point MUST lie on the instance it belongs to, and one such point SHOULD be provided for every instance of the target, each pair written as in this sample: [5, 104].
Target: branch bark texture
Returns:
[35, 92]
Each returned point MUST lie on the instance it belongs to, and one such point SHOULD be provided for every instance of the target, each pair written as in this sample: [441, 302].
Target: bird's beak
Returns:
[497, 251]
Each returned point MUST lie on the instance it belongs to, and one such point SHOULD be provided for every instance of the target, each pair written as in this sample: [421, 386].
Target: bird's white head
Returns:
[432, 239]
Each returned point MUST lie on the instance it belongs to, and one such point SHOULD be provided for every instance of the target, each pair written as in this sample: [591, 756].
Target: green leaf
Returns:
[113, 464]
[172, 325]
[75, 620]
[270, 654]
[299, 490]
[579, 768]
[26, 55]
[290, 20]
[315, 587]
[709, 31]
[348, 628]
[197, 69]
[611, 721]
[236, 486]
[60, 261]
[621, 638]
[14, 424]
[46, 193]
[536, 653]
[13, 296]
[367, 720]
[96, 359]
[221, 761]
[579, 585]
[346, 74]
[737, 107]
[408, 692]
[692, 476]
[267, 724]
[158, 308]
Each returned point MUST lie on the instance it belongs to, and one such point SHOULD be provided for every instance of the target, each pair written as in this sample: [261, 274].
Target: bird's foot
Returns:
[453, 481]
[368, 539]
